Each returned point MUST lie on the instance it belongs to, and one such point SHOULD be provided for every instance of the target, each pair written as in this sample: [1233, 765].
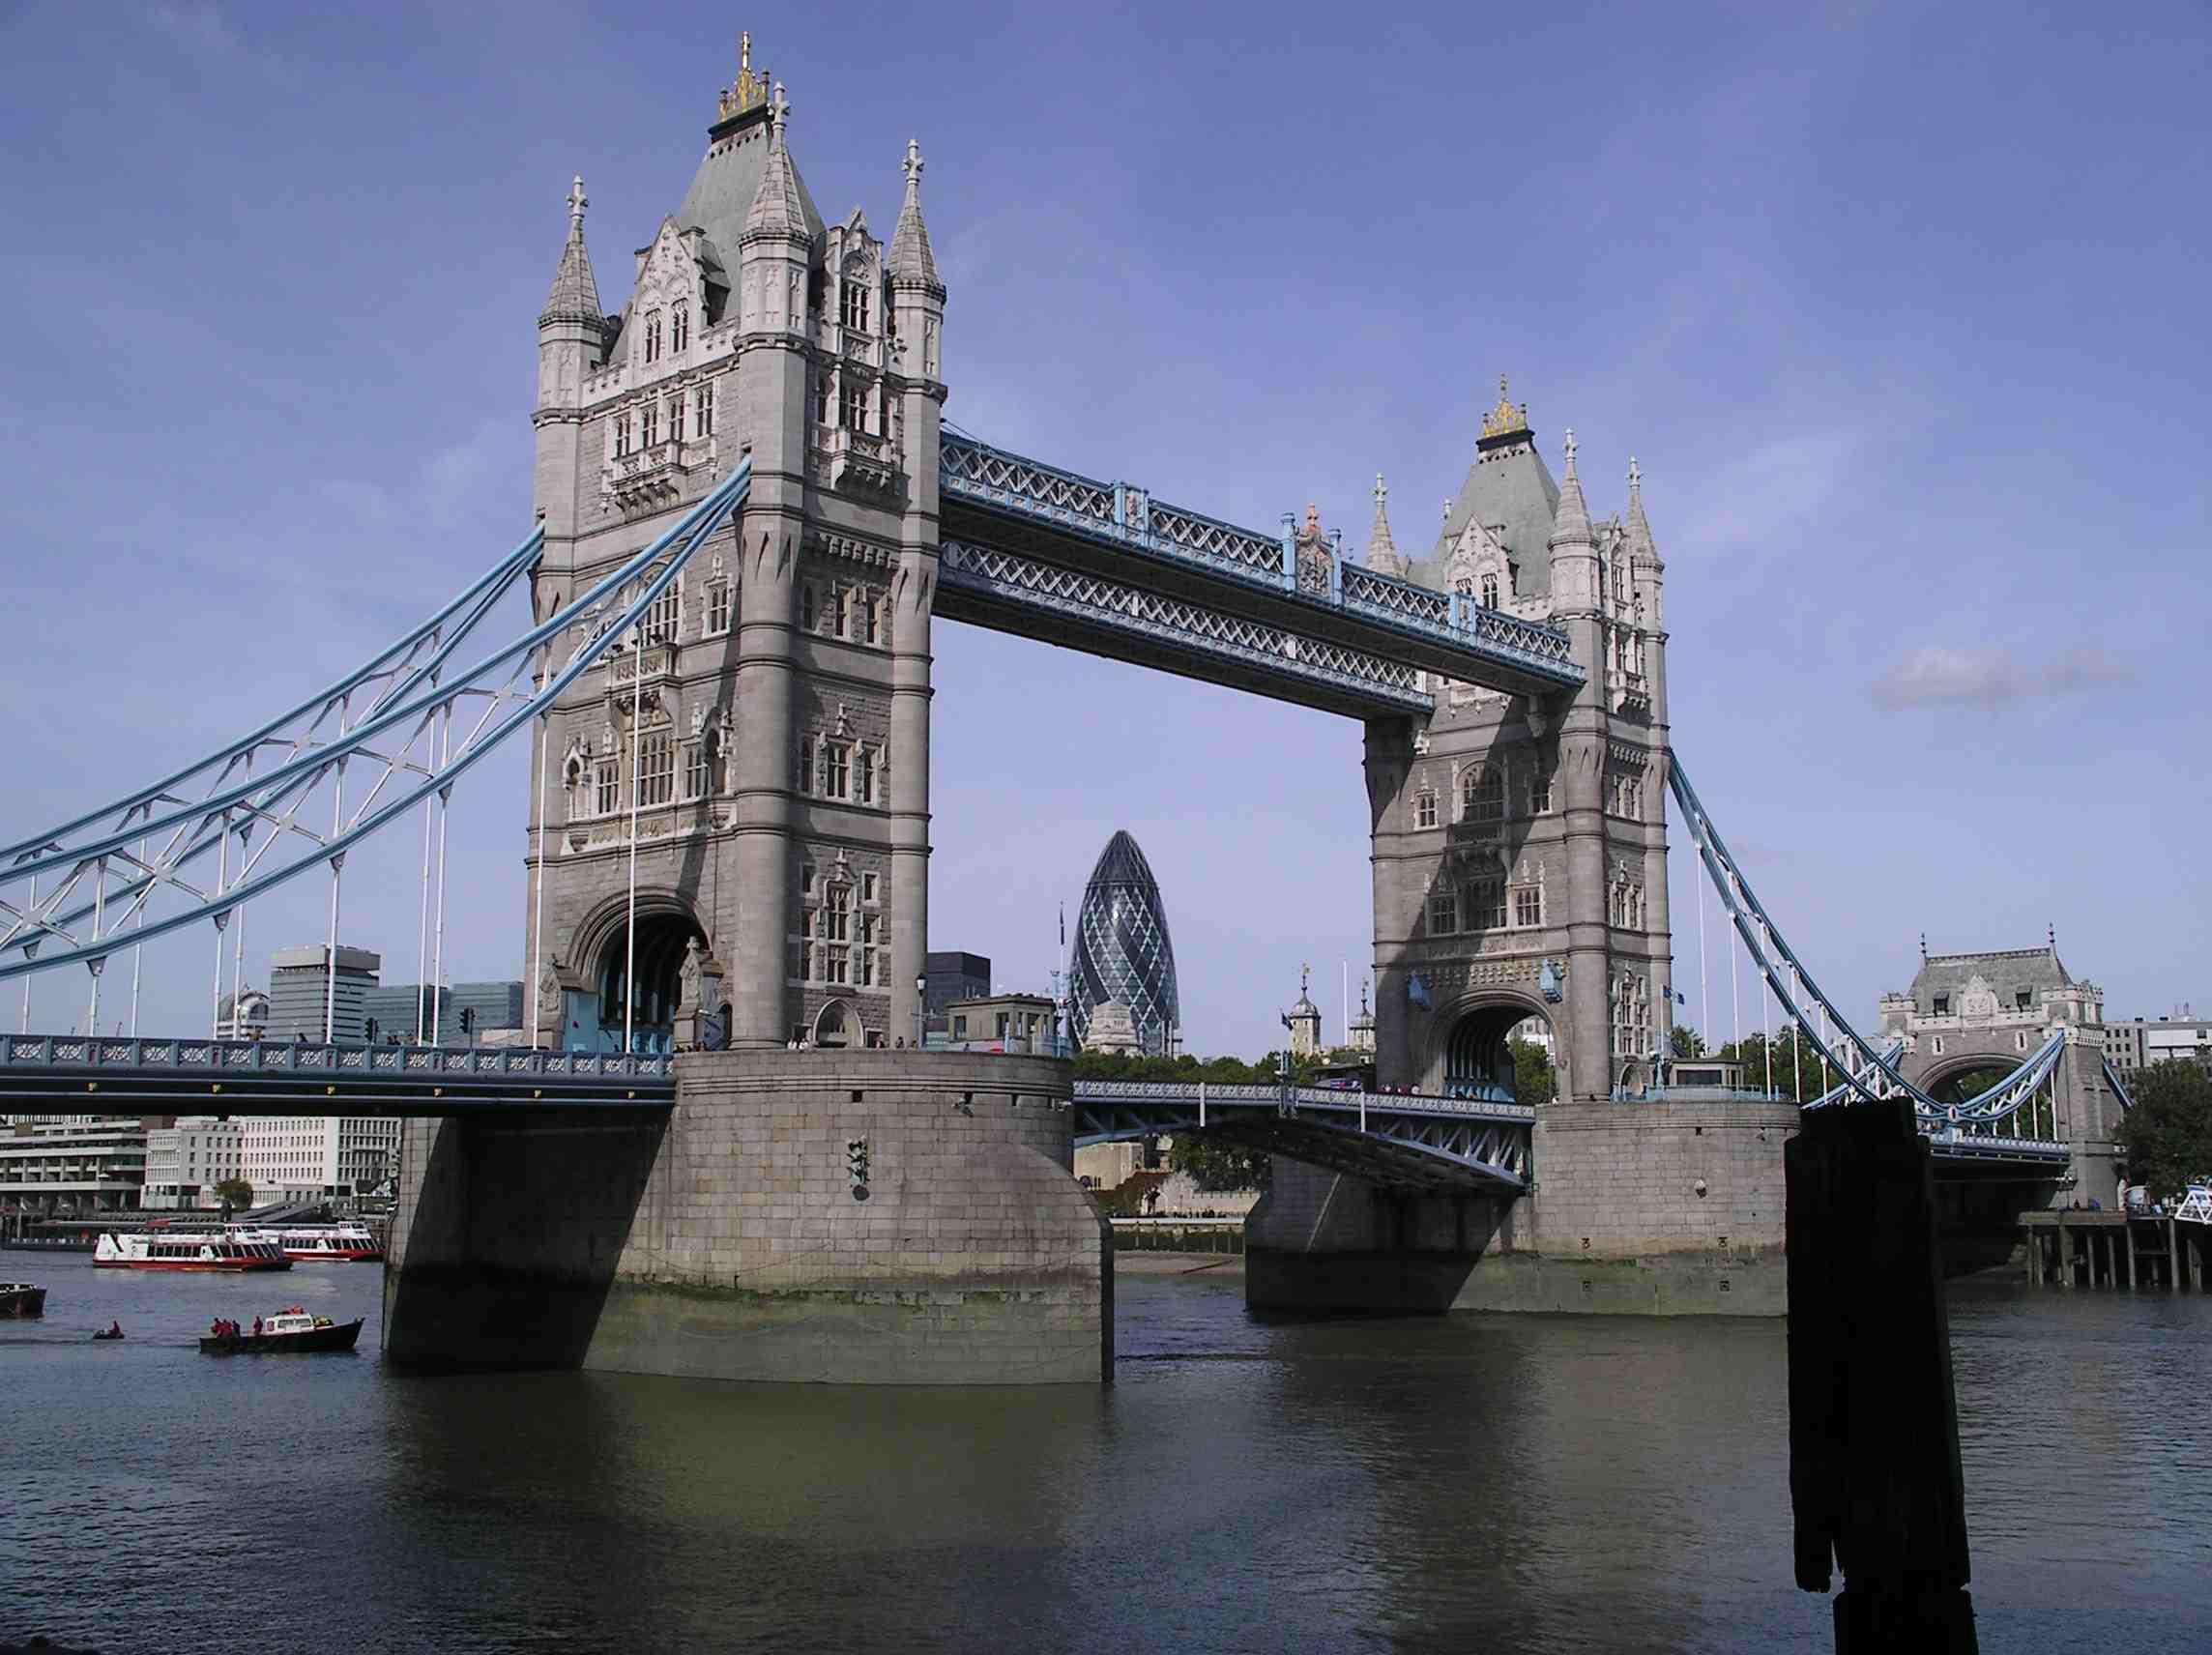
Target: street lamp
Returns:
[921, 1011]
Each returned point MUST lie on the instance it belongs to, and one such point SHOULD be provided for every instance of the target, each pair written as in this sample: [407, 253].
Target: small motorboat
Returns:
[114, 1330]
[22, 1298]
[288, 1330]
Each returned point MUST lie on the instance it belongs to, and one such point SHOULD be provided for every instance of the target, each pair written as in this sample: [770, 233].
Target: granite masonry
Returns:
[849, 1217]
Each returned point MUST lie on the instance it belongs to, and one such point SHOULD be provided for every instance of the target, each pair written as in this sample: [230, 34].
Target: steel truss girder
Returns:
[274, 1077]
[1867, 1074]
[1483, 646]
[407, 739]
[1441, 1145]
[1308, 669]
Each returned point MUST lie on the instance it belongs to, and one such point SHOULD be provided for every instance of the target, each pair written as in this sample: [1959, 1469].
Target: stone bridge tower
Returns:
[1520, 848]
[1971, 1016]
[767, 738]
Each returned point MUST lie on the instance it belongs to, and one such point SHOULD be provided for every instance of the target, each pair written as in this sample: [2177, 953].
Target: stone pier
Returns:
[850, 1217]
[1652, 1208]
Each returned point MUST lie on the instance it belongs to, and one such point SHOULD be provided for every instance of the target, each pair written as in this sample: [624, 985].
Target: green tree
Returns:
[1685, 1041]
[237, 1191]
[1797, 1075]
[2167, 1137]
[1217, 1164]
[1534, 1081]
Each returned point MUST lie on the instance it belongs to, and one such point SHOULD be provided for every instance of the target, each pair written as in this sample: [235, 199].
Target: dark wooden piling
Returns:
[1874, 1432]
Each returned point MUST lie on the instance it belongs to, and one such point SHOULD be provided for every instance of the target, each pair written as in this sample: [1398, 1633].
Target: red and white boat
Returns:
[118, 1251]
[325, 1243]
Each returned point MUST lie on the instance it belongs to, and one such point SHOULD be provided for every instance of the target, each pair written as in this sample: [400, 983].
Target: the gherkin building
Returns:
[1122, 951]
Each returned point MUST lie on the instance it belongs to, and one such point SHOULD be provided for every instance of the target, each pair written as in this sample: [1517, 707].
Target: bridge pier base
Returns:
[1652, 1208]
[841, 1217]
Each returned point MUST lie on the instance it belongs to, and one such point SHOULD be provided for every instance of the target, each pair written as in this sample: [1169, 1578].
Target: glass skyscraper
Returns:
[1122, 951]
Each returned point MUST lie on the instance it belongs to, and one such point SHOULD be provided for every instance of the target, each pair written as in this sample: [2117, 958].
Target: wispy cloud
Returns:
[1935, 674]
[1781, 484]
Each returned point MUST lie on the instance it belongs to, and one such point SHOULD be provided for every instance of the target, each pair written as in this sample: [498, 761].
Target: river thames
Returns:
[1468, 1483]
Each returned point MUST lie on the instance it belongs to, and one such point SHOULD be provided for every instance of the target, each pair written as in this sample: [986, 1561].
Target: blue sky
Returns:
[1899, 305]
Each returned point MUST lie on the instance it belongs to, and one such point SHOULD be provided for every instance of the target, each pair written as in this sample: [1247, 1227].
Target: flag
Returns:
[1417, 989]
[1063, 925]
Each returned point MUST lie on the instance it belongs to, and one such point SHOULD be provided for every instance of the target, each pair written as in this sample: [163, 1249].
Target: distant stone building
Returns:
[1113, 1032]
[73, 1167]
[1304, 1020]
[1017, 1022]
[1360, 1036]
[186, 1161]
[241, 1016]
[1123, 953]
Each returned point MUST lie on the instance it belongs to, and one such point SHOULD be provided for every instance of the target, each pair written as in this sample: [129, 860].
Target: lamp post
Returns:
[921, 1011]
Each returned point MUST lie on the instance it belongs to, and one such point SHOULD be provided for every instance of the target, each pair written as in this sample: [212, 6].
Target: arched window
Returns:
[653, 336]
[1490, 592]
[717, 605]
[805, 764]
[1482, 794]
[863, 775]
[855, 298]
[1425, 809]
[656, 769]
[679, 328]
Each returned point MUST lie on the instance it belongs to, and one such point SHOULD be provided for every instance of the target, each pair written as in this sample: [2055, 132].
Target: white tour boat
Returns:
[119, 1251]
[311, 1243]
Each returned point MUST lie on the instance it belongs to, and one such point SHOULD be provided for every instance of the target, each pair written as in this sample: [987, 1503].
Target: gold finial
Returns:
[1504, 419]
[751, 89]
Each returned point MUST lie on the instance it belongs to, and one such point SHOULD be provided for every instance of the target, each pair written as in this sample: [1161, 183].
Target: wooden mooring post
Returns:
[1874, 1430]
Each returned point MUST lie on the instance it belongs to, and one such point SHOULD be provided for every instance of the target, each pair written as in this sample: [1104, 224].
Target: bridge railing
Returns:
[335, 1059]
[1125, 516]
[1303, 1097]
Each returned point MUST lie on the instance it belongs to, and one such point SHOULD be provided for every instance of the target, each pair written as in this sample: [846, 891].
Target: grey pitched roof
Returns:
[1507, 488]
[779, 206]
[910, 258]
[575, 296]
[728, 177]
[2005, 971]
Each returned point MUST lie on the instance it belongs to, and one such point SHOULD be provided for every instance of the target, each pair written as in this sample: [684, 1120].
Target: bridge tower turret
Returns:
[773, 260]
[571, 339]
[916, 387]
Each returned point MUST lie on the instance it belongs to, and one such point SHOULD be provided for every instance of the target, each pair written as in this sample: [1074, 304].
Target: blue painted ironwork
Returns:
[276, 1077]
[1125, 518]
[1408, 1140]
[1868, 1073]
[1342, 674]
[414, 707]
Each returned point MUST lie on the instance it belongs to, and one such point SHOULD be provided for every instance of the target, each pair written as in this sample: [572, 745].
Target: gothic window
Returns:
[1425, 809]
[697, 779]
[871, 972]
[1482, 794]
[864, 776]
[821, 398]
[870, 925]
[806, 606]
[702, 411]
[660, 619]
[807, 882]
[1490, 592]
[836, 764]
[840, 603]
[868, 887]
[854, 312]
[649, 423]
[1486, 905]
[867, 618]
[606, 787]
[717, 619]
[679, 328]
[675, 419]
[806, 782]
[1443, 911]
[837, 913]
[1539, 790]
[1529, 907]
[656, 769]
[856, 407]
[1942, 1006]
[622, 435]
[653, 336]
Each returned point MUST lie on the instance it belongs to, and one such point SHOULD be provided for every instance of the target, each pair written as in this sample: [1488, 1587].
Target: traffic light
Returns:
[468, 1019]
[369, 1031]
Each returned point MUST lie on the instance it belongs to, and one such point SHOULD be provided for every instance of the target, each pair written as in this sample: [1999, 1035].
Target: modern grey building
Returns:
[302, 1003]
[1122, 951]
[953, 974]
[2135, 1043]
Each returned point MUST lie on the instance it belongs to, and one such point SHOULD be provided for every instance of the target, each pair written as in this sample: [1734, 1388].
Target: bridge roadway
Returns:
[1405, 1141]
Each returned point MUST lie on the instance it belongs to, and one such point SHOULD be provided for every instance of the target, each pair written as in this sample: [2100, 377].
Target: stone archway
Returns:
[632, 992]
[1471, 1055]
[837, 1026]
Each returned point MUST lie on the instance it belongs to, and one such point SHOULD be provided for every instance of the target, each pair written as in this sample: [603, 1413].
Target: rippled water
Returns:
[1466, 1483]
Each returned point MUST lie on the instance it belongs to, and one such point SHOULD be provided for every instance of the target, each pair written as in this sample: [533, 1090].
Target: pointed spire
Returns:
[575, 296]
[778, 207]
[912, 262]
[1382, 550]
[1570, 522]
[1640, 543]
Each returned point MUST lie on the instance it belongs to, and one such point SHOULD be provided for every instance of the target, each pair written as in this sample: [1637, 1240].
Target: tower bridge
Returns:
[748, 519]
